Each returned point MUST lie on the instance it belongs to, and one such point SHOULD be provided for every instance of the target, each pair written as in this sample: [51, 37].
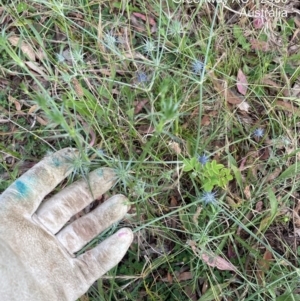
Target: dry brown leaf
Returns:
[218, 262]
[287, 107]
[296, 90]
[267, 81]
[228, 94]
[213, 113]
[25, 47]
[259, 45]
[139, 105]
[295, 37]
[135, 55]
[41, 54]
[296, 216]
[38, 69]
[115, 92]
[84, 298]
[41, 120]
[205, 286]
[212, 259]
[32, 109]
[297, 22]
[125, 39]
[264, 153]
[247, 192]
[77, 87]
[105, 71]
[242, 83]
[245, 220]
[231, 252]
[16, 103]
[169, 278]
[190, 292]
[297, 231]
[242, 165]
[173, 202]
[174, 146]
[272, 176]
[4, 120]
[184, 276]
[196, 215]
[231, 202]
[259, 206]
[205, 120]
[141, 27]
[233, 98]
[3, 110]
[259, 20]
[263, 266]
[67, 54]
[146, 129]
[244, 106]
[145, 18]
[138, 25]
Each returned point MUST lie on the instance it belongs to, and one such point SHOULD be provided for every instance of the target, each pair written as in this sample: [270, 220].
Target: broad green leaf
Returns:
[10, 152]
[288, 297]
[189, 164]
[208, 186]
[214, 292]
[229, 178]
[237, 176]
[186, 222]
[289, 172]
[210, 173]
[216, 167]
[198, 167]
[273, 203]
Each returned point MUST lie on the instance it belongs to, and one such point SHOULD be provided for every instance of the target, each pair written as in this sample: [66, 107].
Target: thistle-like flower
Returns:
[175, 28]
[209, 198]
[203, 159]
[197, 67]
[110, 40]
[258, 133]
[78, 55]
[141, 77]
[60, 57]
[149, 47]
[101, 152]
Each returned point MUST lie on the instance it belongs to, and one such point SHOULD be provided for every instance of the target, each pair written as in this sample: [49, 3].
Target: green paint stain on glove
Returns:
[100, 172]
[21, 187]
[56, 161]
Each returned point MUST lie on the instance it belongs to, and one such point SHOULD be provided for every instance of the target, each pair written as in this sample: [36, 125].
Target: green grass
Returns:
[84, 92]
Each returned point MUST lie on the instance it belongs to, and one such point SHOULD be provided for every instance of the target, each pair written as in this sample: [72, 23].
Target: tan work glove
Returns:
[37, 259]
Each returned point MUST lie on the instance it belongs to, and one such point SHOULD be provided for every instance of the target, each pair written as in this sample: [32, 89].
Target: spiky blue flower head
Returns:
[101, 152]
[60, 57]
[197, 66]
[209, 197]
[149, 47]
[203, 159]
[110, 40]
[258, 133]
[175, 28]
[141, 77]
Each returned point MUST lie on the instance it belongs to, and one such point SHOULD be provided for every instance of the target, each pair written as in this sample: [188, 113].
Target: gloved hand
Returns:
[37, 259]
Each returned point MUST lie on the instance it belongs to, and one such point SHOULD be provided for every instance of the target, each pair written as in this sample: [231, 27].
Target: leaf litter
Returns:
[278, 94]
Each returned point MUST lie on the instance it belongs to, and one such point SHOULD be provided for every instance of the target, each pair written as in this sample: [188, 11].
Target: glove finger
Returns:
[81, 231]
[96, 262]
[30, 189]
[56, 211]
